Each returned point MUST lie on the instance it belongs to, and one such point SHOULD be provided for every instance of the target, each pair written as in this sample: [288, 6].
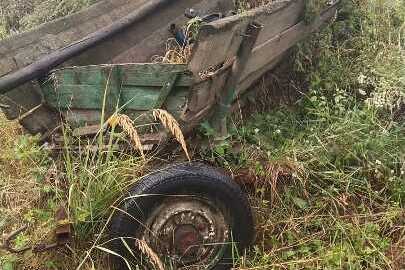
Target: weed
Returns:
[21, 15]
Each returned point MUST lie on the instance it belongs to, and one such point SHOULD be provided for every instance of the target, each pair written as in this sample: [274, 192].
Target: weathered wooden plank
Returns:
[127, 87]
[139, 98]
[155, 44]
[7, 65]
[165, 91]
[216, 43]
[83, 88]
[80, 118]
[130, 74]
[154, 74]
[92, 13]
[174, 104]
[220, 40]
[40, 121]
[247, 81]
[277, 17]
[184, 80]
[27, 96]
[176, 101]
[76, 97]
[203, 96]
[268, 51]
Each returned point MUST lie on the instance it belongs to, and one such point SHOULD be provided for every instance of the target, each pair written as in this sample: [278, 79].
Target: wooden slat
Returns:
[184, 80]
[130, 87]
[277, 17]
[139, 98]
[165, 91]
[267, 52]
[154, 75]
[92, 13]
[76, 96]
[219, 41]
[28, 99]
[82, 117]
[131, 74]
[247, 81]
[216, 43]
[41, 120]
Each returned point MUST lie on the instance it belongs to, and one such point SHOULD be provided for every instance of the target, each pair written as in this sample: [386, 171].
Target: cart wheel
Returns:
[191, 215]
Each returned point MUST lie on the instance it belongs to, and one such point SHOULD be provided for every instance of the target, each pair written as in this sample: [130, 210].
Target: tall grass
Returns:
[328, 173]
[96, 178]
[21, 15]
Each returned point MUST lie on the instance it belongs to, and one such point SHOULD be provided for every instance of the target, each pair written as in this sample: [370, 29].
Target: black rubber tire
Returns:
[182, 179]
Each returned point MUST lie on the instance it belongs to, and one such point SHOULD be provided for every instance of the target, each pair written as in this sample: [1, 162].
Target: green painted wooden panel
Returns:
[174, 104]
[134, 86]
[138, 98]
[76, 96]
[166, 91]
[90, 75]
[155, 75]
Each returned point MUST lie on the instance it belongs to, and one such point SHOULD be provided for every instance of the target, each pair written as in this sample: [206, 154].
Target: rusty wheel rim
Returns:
[188, 233]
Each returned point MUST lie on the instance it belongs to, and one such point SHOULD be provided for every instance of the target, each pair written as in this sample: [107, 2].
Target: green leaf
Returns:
[8, 265]
[300, 202]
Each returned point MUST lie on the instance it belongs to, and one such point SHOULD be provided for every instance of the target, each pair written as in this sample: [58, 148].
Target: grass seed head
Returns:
[170, 123]
[124, 122]
[145, 249]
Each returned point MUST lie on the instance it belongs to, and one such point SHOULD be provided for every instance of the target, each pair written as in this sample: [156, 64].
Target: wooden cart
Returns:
[194, 214]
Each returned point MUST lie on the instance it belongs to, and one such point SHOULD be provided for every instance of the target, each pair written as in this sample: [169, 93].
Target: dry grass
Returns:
[145, 249]
[170, 123]
[174, 54]
[128, 126]
[21, 194]
[15, 174]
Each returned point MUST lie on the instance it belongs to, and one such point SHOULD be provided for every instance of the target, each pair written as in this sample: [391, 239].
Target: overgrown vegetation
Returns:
[21, 15]
[326, 175]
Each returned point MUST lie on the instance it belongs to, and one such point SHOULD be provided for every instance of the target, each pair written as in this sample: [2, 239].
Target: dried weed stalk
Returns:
[145, 249]
[170, 123]
[128, 126]
[175, 54]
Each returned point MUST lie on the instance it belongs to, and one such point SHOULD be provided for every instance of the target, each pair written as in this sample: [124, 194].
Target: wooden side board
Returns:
[132, 89]
[219, 41]
[276, 45]
[283, 28]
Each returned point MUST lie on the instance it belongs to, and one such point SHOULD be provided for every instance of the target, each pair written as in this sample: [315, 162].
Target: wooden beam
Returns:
[219, 41]
[264, 54]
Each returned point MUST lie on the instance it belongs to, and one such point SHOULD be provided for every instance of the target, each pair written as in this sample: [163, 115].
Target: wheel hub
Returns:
[187, 240]
[191, 232]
